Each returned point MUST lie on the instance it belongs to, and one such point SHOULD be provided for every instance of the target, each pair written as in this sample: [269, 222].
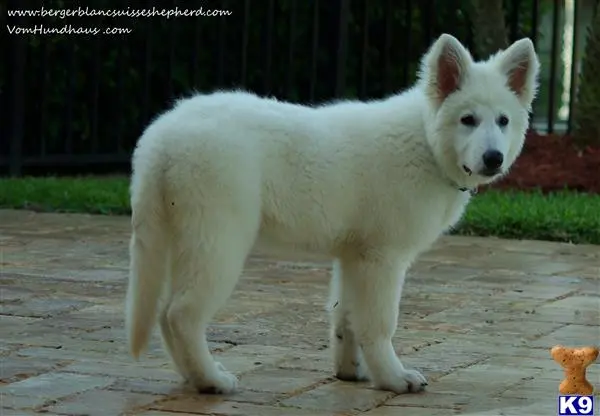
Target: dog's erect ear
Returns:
[521, 65]
[444, 67]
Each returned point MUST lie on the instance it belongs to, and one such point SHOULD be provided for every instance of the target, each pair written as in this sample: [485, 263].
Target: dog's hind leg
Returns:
[349, 364]
[167, 333]
[208, 258]
[372, 285]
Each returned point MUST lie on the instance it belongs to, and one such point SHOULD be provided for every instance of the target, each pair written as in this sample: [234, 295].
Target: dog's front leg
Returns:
[372, 287]
[348, 362]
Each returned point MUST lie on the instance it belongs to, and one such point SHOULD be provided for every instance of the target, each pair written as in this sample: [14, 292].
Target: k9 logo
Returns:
[575, 405]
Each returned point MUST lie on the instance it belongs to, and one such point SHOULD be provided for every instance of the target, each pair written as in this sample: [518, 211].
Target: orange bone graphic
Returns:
[575, 361]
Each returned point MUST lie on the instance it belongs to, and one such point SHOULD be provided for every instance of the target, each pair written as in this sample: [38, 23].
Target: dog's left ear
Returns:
[521, 65]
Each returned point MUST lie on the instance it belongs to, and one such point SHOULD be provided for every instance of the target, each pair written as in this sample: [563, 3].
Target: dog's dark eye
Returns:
[468, 120]
[502, 120]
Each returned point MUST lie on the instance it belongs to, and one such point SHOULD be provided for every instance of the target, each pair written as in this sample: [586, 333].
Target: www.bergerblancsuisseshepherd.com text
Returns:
[53, 27]
[128, 12]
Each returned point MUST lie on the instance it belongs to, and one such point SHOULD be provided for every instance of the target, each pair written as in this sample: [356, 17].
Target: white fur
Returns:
[371, 185]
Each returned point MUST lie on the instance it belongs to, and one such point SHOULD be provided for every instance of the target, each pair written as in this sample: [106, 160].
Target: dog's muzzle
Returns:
[489, 172]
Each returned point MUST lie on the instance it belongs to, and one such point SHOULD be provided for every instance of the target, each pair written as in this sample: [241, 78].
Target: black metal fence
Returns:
[75, 102]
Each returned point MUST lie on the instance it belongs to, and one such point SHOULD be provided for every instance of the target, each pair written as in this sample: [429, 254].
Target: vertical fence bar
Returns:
[514, 20]
[452, 20]
[95, 94]
[147, 71]
[315, 50]
[534, 21]
[245, 29]
[574, 68]
[172, 29]
[364, 52]
[70, 98]
[120, 108]
[534, 35]
[196, 53]
[17, 75]
[407, 42]
[43, 95]
[387, 48]
[269, 47]
[342, 52]
[221, 51]
[470, 40]
[553, 62]
[292, 34]
[428, 21]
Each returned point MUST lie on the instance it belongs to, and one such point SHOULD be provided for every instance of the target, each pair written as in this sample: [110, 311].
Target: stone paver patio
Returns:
[478, 318]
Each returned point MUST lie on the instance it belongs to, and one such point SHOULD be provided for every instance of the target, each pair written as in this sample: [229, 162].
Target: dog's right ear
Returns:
[444, 67]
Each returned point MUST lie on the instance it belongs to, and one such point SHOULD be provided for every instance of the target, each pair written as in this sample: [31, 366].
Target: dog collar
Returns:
[472, 191]
[452, 183]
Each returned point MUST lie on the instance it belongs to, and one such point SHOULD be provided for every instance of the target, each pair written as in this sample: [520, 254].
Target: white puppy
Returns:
[371, 184]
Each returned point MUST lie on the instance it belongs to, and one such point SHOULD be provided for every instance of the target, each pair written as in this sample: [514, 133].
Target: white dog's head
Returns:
[480, 109]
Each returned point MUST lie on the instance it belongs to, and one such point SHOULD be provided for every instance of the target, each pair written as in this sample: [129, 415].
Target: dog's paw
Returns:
[353, 370]
[221, 382]
[220, 367]
[408, 381]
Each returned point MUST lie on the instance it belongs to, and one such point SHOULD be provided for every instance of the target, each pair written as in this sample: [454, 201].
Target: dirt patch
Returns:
[552, 162]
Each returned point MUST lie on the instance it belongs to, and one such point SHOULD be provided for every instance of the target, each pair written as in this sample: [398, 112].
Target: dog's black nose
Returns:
[492, 159]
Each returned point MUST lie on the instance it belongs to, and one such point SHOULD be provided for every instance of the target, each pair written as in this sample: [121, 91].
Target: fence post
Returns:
[342, 50]
[16, 84]
[575, 56]
[553, 67]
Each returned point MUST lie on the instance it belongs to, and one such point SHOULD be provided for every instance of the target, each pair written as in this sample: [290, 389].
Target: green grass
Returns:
[94, 195]
[562, 216]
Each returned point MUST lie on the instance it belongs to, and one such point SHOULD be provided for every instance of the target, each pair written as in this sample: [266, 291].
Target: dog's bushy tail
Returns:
[149, 252]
